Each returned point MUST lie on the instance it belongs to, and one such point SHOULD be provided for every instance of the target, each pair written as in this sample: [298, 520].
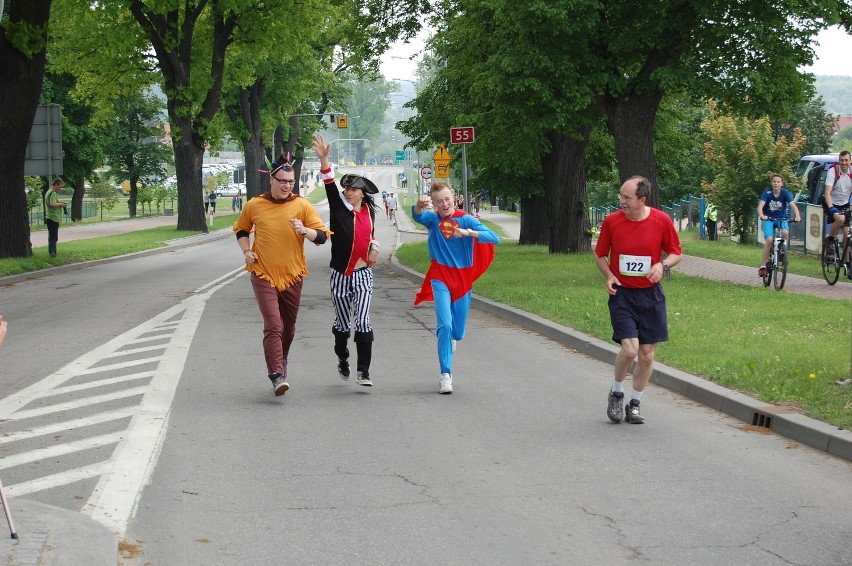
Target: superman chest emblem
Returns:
[448, 227]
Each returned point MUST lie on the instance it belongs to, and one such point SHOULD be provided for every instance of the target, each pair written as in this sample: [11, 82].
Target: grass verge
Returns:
[771, 346]
[76, 251]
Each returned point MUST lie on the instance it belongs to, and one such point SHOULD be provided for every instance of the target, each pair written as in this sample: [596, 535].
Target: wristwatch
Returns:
[665, 265]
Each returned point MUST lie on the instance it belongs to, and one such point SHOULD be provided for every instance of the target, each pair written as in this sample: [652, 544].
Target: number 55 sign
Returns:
[462, 135]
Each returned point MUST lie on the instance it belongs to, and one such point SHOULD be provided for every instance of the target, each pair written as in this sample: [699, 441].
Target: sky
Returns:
[833, 55]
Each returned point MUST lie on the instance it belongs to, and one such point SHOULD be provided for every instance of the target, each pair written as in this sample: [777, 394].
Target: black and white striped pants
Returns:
[352, 293]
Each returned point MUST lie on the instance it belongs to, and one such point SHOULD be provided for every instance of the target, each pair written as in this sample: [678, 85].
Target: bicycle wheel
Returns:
[781, 268]
[767, 278]
[831, 268]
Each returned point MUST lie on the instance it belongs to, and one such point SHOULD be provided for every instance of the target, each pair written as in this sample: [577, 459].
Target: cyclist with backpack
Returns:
[773, 206]
[838, 189]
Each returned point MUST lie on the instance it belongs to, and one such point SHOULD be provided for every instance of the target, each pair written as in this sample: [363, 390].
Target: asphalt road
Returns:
[135, 392]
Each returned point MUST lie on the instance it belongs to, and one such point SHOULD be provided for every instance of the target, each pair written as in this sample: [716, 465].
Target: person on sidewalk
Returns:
[773, 206]
[837, 192]
[710, 216]
[461, 249]
[393, 203]
[628, 252]
[53, 214]
[281, 222]
[354, 252]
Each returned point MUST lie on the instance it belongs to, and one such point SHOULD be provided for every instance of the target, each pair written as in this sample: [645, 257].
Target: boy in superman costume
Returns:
[461, 248]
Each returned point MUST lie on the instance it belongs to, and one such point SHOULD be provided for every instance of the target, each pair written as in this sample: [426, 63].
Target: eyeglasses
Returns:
[284, 181]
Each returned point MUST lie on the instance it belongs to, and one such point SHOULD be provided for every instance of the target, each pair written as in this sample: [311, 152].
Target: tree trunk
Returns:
[20, 86]
[189, 157]
[565, 186]
[535, 221]
[134, 196]
[277, 141]
[77, 200]
[631, 123]
[248, 114]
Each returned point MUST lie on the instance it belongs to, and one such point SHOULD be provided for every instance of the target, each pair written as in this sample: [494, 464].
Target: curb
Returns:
[781, 420]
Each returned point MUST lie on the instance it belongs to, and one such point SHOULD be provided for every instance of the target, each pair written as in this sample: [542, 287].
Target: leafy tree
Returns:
[34, 195]
[23, 42]
[743, 154]
[103, 194]
[135, 150]
[843, 140]
[145, 195]
[82, 138]
[531, 105]
[161, 195]
[815, 123]
[366, 106]
[739, 53]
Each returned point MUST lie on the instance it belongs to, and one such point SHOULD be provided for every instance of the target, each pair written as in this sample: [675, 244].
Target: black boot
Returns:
[364, 347]
[341, 339]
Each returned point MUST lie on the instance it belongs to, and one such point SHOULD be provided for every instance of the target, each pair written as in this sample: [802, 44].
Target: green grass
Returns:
[763, 344]
[76, 251]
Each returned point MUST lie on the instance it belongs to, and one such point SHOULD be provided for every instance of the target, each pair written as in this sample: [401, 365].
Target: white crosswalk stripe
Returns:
[131, 378]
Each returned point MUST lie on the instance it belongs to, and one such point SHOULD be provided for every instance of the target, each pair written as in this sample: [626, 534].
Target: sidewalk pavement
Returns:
[68, 232]
[54, 536]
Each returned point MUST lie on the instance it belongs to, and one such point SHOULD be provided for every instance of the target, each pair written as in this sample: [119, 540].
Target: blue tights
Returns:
[451, 321]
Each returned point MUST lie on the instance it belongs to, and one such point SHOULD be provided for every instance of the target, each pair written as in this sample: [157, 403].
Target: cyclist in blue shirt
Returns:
[773, 206]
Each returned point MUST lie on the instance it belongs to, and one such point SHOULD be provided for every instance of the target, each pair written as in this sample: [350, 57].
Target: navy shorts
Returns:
[639, 313]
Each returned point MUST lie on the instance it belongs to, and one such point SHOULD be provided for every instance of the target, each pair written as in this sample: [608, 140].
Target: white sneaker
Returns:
[445, 384]
[455, 342]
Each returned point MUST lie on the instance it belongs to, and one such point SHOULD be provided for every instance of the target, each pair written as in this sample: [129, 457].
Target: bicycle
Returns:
[833, 261]
[776, 264]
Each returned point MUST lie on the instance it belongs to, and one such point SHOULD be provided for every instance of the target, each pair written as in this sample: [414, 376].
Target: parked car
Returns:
[231, 190]
[814, 169]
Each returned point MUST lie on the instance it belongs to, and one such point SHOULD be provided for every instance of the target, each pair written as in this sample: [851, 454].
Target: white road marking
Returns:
[61, 449]
[69, 425]
[129, 468]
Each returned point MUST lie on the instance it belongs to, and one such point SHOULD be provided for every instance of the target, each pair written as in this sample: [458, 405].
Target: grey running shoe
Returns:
[363, 378]
[454, 345]
[615, 406]
[445, 384]
[343, 369]
[279, 385]
[633, 416]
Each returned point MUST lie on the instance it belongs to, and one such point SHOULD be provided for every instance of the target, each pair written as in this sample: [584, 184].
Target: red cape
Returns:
[459, 280]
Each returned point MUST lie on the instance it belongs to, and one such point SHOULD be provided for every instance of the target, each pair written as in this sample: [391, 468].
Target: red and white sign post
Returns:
[463, 136]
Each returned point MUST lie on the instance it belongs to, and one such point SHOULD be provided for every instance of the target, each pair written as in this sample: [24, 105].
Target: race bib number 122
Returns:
[634, 265]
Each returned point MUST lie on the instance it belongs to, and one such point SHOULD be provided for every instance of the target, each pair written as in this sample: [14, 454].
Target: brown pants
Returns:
[279, 310]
